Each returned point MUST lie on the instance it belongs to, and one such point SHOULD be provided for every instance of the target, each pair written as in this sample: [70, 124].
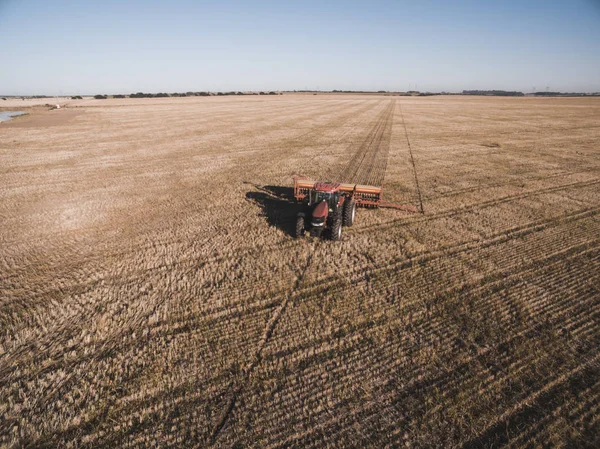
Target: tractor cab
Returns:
[328, 192]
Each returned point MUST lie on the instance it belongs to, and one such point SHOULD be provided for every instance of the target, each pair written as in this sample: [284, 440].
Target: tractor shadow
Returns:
[277, 205]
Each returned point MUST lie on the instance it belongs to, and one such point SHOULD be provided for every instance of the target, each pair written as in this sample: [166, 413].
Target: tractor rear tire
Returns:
[349, 212]
[336, 228]
[300, 228]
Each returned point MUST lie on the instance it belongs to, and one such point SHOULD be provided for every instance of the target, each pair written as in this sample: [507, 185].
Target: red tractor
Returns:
[325, 207]
[330, 205]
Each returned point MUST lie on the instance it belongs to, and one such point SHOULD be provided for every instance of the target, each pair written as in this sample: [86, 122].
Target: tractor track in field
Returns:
[368, 163]
[495, 281]
[502, 235]
[287, 245]
[480, 289]
[317, 288]
[392, 393]
[533, 406]
[513, 183]
[345, 121]
[359, 275]
[412, 161]
[246, 373]
[482, 205]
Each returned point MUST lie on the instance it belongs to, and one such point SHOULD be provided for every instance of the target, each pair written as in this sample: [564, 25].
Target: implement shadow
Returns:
[277, 205]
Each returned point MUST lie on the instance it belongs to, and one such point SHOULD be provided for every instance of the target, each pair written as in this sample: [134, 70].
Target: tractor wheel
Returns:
[349, 212]
[336, 228]
[300, 229]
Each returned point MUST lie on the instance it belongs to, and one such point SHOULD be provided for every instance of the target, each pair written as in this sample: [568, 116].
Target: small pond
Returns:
[7, 115]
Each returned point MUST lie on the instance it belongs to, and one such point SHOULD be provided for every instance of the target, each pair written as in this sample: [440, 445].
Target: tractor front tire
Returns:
[336, 229]
[300, 228]
[349, 212]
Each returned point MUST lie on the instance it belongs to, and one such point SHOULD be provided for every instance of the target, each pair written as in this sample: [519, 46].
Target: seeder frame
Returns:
[363, 195]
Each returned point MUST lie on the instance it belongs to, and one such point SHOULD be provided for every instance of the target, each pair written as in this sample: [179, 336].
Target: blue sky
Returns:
[88, 47]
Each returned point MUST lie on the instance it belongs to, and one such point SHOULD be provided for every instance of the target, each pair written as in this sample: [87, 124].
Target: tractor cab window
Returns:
[317, 197]
[336, 198]
[331, 198]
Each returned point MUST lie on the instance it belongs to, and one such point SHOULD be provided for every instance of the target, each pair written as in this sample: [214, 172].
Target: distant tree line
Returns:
[348, 91]
[565, 94]
[195, 94]
[496, 93]
[499, 93]
[504, 93]
[409, 93]
[143, 95]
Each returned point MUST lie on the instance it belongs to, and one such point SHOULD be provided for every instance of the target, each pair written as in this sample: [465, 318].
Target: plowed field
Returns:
[151, 294]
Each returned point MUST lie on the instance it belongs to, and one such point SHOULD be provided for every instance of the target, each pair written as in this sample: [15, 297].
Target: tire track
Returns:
[500, 278]
[412, 161]
[247, 371]
[478, 206]
[495, 281]
[431, 383]
[350, 120]
[369, 161]
[513, 183]
[395, 264]
[534, 405]
[393, 268]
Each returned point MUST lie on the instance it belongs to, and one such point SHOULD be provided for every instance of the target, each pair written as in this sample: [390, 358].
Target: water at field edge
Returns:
[7, 115]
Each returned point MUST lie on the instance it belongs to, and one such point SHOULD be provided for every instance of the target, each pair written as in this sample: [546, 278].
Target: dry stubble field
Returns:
[151, 293]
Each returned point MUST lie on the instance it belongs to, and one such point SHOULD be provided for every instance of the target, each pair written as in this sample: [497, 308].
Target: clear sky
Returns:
[89, 47]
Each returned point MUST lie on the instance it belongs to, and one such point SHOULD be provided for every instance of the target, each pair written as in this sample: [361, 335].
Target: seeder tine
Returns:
[367, 196]
[302, 187]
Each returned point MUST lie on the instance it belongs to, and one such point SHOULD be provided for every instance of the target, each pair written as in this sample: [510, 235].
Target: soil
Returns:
[152, 292]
